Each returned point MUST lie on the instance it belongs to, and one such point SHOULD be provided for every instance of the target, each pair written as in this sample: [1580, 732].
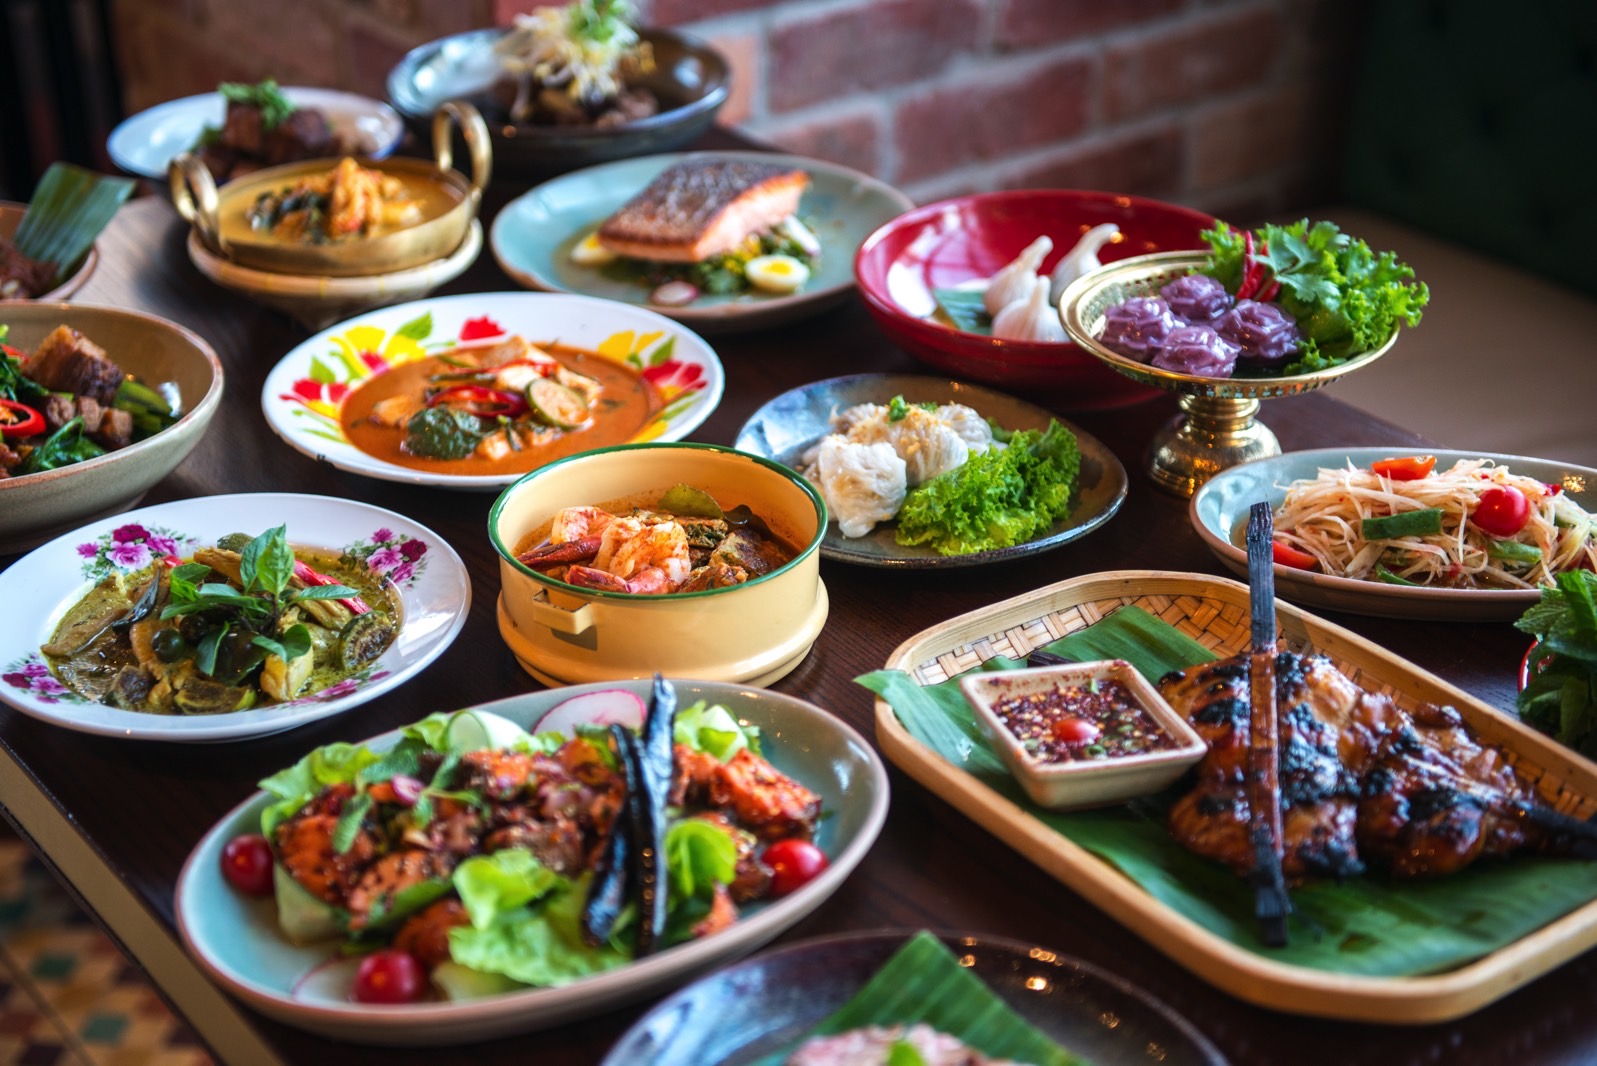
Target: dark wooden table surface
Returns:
[118, 819]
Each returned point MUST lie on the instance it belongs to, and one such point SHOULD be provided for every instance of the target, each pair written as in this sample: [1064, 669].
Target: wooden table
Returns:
[117, 819]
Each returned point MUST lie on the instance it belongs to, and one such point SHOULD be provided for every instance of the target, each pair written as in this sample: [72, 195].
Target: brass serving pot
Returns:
[752, 633]
[450, 202]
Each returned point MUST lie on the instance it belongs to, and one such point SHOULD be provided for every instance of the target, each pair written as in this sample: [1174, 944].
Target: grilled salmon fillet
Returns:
[703, 207]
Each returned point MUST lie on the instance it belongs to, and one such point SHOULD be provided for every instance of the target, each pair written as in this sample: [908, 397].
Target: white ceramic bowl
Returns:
[754, 632]
[1082, 782]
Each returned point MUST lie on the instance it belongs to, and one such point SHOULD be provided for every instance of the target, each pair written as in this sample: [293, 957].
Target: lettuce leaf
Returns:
[493, 885]
[537, 946]
[331, 764]
[698, 856]
[1001, 497]
[712, 729]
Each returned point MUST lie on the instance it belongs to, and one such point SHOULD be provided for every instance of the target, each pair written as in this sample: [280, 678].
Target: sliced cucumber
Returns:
[459, 982]
[479, 730]
[303, 918]
[556, 405]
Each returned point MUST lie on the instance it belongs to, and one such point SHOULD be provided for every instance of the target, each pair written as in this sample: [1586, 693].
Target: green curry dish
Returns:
[997, 498]
[445, 432]
[222, 631]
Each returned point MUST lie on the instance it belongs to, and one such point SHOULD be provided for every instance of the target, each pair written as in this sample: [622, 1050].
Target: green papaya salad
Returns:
[474, 857]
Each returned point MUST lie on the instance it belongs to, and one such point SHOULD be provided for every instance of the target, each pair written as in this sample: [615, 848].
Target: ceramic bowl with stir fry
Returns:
[691, 559]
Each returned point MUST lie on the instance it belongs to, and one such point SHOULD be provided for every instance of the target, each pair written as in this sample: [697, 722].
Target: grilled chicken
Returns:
[1362, 780]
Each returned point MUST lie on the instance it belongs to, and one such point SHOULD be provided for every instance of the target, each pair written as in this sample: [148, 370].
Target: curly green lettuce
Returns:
[1346, 298]
[998, 498]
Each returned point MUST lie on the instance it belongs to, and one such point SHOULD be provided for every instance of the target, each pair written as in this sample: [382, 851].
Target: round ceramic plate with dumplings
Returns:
[789, 425]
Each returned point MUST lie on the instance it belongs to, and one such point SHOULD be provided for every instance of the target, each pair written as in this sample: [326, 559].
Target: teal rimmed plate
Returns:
[236, 940]
[533, 236]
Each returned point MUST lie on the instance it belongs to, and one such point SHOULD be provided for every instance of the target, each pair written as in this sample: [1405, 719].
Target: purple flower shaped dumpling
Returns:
[1197, 350]
[1196, 298]
[1135, 328]
[1266, 335]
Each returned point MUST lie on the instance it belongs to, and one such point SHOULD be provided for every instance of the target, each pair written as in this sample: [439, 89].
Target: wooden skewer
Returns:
[1271, 901]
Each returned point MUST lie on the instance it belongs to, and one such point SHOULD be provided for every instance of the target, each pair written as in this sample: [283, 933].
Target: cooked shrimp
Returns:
[631, 545]
[756, 794]
[575, 523]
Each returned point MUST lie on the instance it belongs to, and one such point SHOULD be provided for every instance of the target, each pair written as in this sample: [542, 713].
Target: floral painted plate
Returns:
[304, 392]
[433, 587]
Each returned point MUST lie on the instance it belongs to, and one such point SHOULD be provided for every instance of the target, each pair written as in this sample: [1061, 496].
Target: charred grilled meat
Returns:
[1362, 780]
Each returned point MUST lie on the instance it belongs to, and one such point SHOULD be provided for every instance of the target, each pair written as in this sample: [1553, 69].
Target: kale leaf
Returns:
[444, 433]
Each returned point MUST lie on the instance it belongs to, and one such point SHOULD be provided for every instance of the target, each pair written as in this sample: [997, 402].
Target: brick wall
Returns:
[1230, 106]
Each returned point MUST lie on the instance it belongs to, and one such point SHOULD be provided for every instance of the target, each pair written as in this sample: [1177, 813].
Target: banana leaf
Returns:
[924, 982]
[1373, 925]
[68, 210]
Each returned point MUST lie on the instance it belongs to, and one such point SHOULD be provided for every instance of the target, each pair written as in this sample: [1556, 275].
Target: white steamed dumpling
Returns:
[927, 445]
[1014, 281]
[1030, 319]
[1080, 259]
[863, 484]
[970, 425]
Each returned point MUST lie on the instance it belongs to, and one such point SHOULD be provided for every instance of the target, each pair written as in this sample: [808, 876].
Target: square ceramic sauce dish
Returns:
[1082, 735]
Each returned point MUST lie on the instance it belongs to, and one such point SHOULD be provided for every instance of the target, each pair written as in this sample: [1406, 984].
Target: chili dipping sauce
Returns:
[1082, 723]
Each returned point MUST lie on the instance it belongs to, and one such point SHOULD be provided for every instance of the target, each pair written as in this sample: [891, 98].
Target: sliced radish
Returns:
[675, 294]
[612, 706]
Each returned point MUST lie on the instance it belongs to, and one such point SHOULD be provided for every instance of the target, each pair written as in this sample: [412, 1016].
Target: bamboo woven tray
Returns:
[1214, 611]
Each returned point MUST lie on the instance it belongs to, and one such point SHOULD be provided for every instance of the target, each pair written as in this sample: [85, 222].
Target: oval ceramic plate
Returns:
[789, 424]
[1219, 513]
[782, 995]
[236, 939]
[145, 143]
[303, 393]
[533, 236]
[431, 582]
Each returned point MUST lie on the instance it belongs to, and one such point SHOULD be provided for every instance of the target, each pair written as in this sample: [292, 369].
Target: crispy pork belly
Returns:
[701, 208]
[67, 361]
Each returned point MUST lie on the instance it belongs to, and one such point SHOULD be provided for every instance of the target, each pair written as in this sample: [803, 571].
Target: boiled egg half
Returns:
[776, 273]
[589, 252]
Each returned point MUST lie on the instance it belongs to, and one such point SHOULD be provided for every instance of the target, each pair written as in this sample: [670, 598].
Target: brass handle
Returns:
[558, 618]
[194, 196]
[475, 130]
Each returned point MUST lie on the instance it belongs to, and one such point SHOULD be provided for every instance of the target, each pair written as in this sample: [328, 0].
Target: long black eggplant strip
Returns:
[609, 890]
[655, 763]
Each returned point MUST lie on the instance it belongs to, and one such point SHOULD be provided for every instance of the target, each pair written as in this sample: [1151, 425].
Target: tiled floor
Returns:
[67, 995]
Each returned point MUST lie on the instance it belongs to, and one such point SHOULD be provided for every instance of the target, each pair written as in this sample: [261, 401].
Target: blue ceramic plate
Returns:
[784, 428]
[1219, 513]
[533, 236]
[145, 143]
[782, 995]
[236, 939]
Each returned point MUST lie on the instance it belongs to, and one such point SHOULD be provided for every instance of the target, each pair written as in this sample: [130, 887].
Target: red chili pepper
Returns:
[1406, 468]
[17, 354]
[480, 400]
[1250, 269]
[1269, 292]
[19, 420]
[1287, 555]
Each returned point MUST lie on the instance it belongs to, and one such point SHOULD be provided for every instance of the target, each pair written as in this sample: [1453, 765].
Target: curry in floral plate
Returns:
[473, 391]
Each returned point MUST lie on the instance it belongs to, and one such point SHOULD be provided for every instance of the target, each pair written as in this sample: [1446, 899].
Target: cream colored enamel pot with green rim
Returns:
[753, 633]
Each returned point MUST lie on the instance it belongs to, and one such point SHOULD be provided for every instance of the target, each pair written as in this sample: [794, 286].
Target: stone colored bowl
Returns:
[11, 217]
[752, 633]
[36, 507]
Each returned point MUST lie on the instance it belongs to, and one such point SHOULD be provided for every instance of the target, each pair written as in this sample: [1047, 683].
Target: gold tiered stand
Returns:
[1217, 428]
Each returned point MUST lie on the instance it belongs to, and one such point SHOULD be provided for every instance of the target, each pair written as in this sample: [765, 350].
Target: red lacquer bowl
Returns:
[942, 244]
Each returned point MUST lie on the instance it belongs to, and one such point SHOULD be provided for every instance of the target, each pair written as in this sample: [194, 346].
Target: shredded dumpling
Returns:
[1323, 516]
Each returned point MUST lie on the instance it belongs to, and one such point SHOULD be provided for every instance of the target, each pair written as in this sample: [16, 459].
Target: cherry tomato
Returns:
[794, 864]
[1075, 730]
[1287, 555]
[1406, 468]
[1503, 511]
[389, 977]
[247, 864]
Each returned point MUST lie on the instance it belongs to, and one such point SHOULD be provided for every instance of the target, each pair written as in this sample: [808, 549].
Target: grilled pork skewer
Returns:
[1271, 903]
